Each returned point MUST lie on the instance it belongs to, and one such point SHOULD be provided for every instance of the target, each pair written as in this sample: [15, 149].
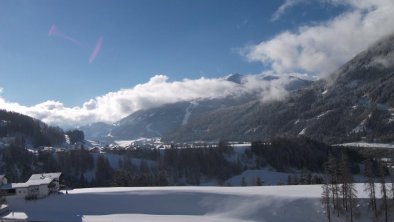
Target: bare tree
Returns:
[370, 185]
[391, 172]
[349, 193]
[383, 190]
[331, 168]
[325, 199]
[345, 179]
[352, 199]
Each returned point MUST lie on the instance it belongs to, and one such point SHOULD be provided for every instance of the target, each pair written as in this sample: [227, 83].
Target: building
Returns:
[38, 186]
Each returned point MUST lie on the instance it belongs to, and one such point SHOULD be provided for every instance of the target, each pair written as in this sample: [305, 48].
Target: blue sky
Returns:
[181, 39]
[149, 48]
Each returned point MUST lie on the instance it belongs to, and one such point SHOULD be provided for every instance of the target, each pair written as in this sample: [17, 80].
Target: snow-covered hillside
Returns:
[267, 203]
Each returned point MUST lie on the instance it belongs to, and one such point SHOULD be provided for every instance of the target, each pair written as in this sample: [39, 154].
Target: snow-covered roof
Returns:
[28, 183]
[42, 176]
[35, 180]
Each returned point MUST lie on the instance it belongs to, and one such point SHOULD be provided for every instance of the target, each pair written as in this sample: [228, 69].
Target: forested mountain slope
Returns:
[356, 102]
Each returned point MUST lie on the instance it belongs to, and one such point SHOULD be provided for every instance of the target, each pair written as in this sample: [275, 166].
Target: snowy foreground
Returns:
[267, 203]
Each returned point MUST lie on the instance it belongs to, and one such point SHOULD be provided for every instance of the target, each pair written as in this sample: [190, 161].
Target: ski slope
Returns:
[267, 203]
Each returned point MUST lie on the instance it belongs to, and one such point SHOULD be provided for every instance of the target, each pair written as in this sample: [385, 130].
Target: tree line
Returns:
[285, 154]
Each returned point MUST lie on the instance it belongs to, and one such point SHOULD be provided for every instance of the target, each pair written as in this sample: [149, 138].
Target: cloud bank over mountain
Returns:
[157, 91]
[319, 48]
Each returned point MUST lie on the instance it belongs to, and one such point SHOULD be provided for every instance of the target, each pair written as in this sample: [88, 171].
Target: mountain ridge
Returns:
[356, 103]
[159, 121]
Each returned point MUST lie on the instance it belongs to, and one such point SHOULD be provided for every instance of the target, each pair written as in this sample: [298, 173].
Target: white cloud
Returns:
[157, 91]
[1, 90]
[273, 90]
[320, 49]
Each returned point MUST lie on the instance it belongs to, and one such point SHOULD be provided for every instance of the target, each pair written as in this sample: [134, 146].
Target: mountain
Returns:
[25, 130]
[354, 103]
[235, 78]
[155, 122]
[162, 120]
[98, 131]
[293, 82]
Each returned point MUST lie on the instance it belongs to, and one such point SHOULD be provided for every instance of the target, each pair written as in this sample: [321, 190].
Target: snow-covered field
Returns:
[367, 145]
[267, 203]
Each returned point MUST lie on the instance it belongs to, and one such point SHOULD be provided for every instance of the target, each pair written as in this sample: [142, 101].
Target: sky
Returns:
[77, 62]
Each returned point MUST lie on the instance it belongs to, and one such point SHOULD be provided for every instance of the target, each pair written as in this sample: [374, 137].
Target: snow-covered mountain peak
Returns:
[235, 78]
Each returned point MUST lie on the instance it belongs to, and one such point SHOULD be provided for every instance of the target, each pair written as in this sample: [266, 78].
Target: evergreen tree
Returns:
[243, 182]
[161, 179]
[258, 181]
[82, 181]
[104, 171]
[296, 180]
[290, 180]
[75, 136]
